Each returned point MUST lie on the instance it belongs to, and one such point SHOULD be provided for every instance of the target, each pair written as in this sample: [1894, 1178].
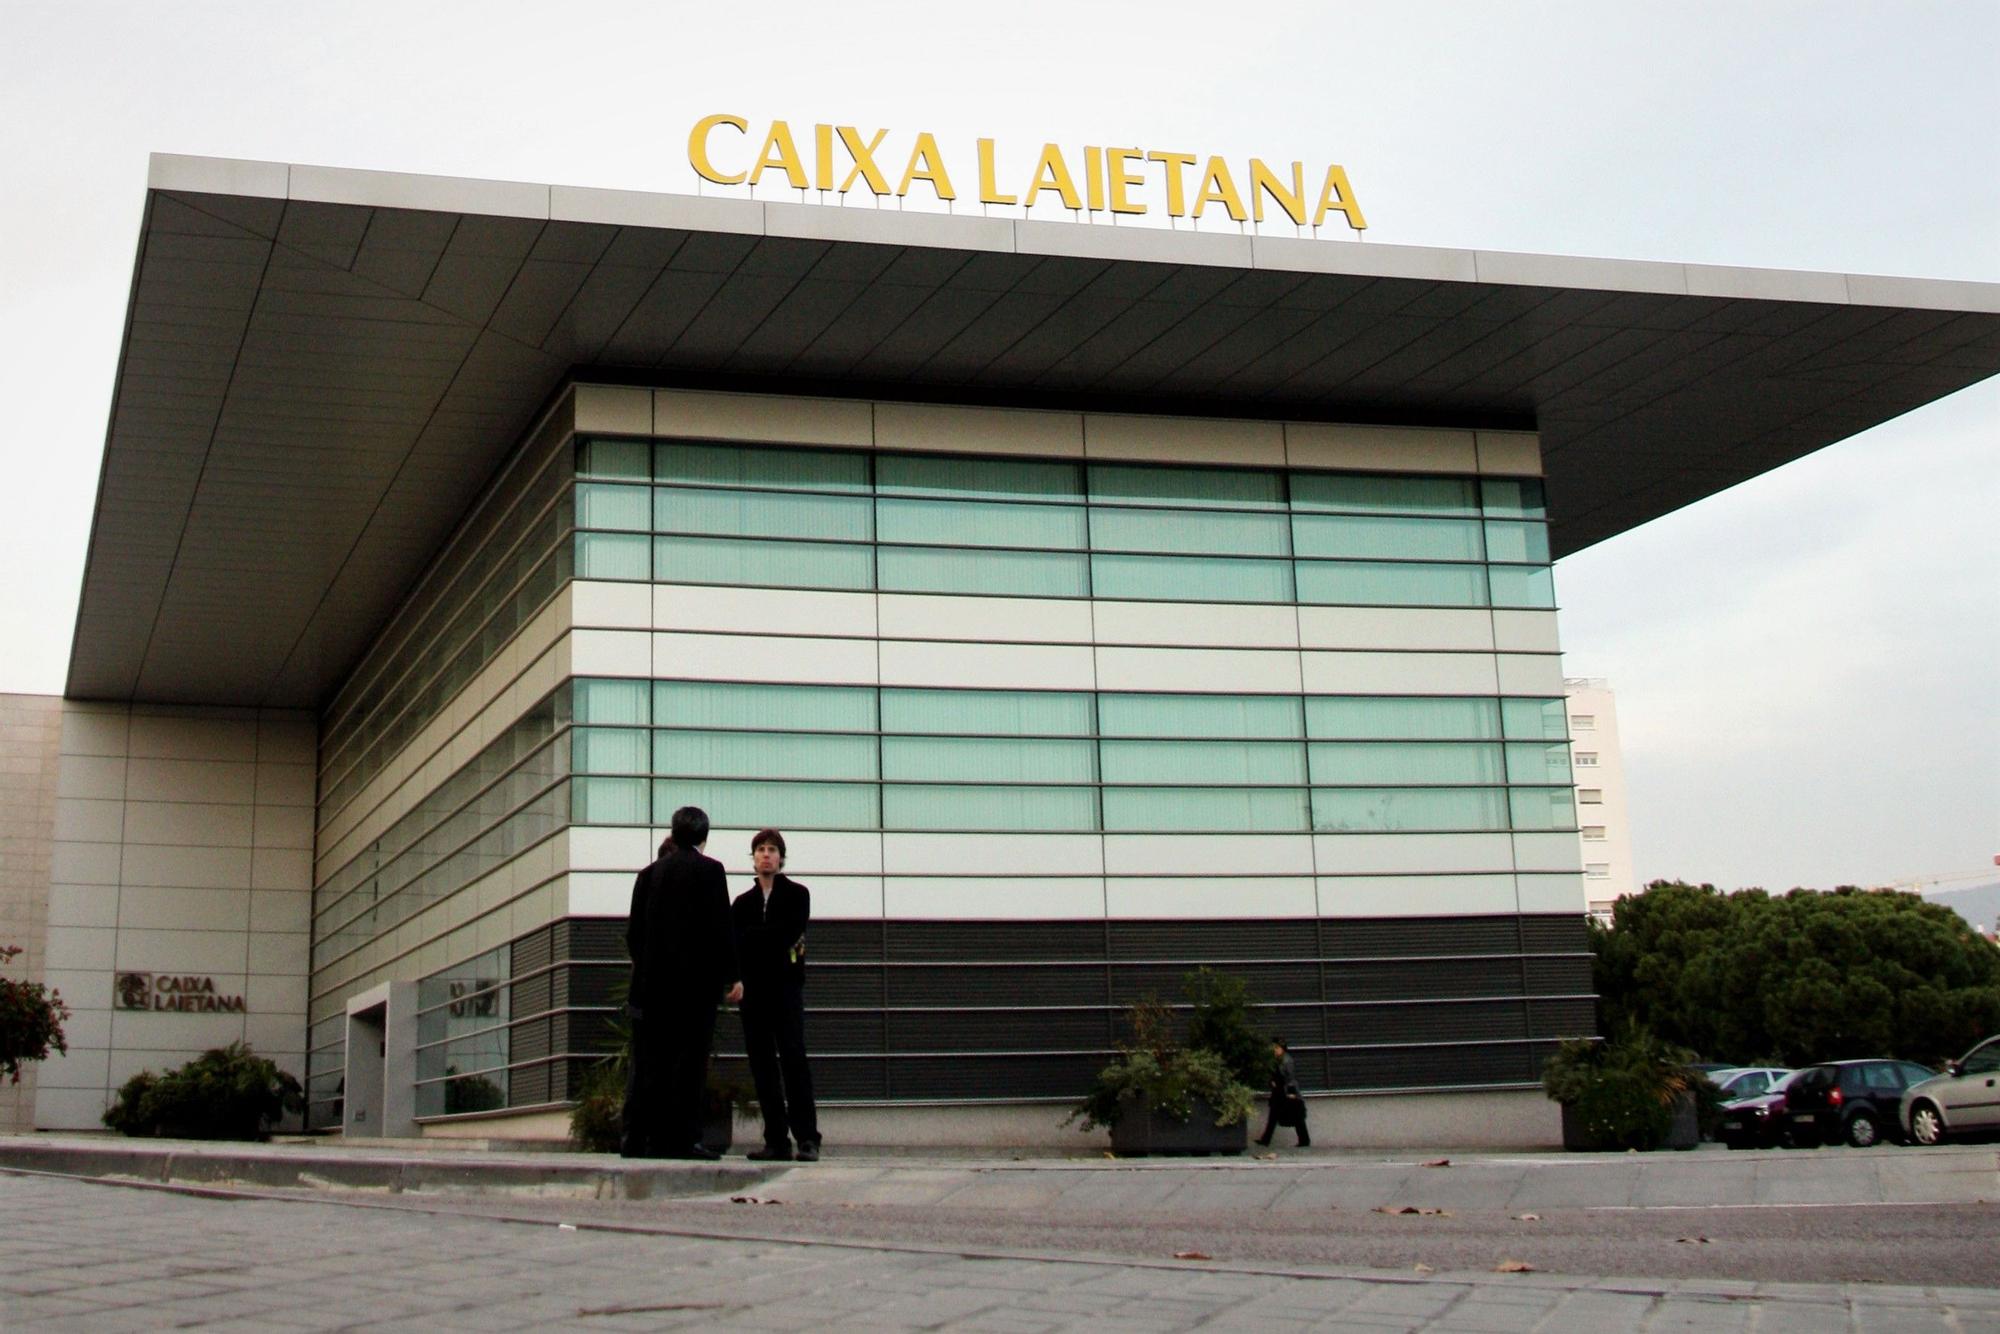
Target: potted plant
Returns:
[226, 1093]
[1160, 1096]
[1630, 1092]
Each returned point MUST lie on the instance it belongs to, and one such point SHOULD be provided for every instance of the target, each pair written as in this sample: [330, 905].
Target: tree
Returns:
[1799, 977]
[31, 1020]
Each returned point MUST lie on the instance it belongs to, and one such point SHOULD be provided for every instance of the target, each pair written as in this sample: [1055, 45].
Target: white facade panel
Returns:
[992, 854]
[1209, 897]
[840, 897]
[985, 619]
[1547, 852]
[1416, 895]
[1399, 673]
[1394, 854]
[1530, 674]
[986, 666]
[1525, 631]
[1551, 893]
[607, 653]
[767, 658]
[604, 604]
[762, 611]
[809, 852]
[1452, 628]
[1224, 671]
[1187, 855]
[1195, 624]
[992, 898]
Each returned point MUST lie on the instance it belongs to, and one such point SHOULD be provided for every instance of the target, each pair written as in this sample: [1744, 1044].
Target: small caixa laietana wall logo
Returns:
[177, 992]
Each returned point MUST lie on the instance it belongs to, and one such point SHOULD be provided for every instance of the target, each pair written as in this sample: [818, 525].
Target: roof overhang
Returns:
[321, 368]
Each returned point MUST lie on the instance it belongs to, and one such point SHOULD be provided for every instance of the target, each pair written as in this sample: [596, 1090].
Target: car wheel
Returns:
[1926, 1126]
[1863, 1131]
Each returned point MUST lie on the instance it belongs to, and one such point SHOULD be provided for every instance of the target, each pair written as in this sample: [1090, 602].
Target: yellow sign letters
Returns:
[1113, 179]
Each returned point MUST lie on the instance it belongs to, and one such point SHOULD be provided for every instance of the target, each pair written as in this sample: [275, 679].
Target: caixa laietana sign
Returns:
[178, 993]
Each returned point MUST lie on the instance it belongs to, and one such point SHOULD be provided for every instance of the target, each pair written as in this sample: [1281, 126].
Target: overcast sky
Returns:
[1807, 666]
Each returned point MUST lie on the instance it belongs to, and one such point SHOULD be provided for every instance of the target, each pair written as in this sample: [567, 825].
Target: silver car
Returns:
[1964, 1100]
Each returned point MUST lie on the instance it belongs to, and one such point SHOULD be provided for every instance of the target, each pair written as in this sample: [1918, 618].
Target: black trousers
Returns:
[774, 1036]
[1287, 1111]
[666, 1079]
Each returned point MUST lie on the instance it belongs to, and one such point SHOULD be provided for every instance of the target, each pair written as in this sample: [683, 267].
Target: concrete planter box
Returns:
[1141, 1131]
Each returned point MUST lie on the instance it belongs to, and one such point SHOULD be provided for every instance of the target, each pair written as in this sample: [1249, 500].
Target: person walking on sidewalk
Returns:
[1288, 1105]
[683, 961]
[771, 918]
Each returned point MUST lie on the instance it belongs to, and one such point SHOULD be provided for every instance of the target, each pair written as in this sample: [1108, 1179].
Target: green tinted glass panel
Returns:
[1015, 573]
[1364, 763]
[613, 701]
[1409, 809]
[1542, 808]
[1205, 488]
[958, 759]
[783, 805]
[1361, 535]
[628, 459]
[789, 469]
[1226, 716]
[614, 556]
[763, 755]
[1359, 584]
[993, 479]
[1504, 498]
[1538, 764]
[1349, 494]
[986, 712]
[1522, 586]
[1217, 762]
[1534, 719]
[1517, 540]
[766, 708]
[601, 505]
[1169, 810]
[1391, 717]
[608, 801]
[1006, 809]
[763, 514]
[754, 564]
[1191, 579]
[976, 523]
[1189, 531]
[608, 750]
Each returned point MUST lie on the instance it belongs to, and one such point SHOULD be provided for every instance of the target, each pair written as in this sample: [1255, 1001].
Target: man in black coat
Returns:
[683, 962]
[771, 918]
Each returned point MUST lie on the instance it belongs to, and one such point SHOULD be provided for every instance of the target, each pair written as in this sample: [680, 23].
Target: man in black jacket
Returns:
[683, 962]
[771, 918]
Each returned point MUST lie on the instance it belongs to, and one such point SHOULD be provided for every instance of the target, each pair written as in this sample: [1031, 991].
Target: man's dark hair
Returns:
[1281, 1044]
[771, 836]
[690, 827]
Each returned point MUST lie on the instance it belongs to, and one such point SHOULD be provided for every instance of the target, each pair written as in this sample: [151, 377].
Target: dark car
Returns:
[1858, 1102]
[1752, 1123]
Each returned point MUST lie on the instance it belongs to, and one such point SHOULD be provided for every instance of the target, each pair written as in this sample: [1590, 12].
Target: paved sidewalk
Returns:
[100, 1257]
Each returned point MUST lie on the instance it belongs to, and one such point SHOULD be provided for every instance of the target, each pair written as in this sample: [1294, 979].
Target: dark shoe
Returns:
[809, 1152]
[771, 1153]
[697, 1152]
[1305, 1141]
[1263, 1141]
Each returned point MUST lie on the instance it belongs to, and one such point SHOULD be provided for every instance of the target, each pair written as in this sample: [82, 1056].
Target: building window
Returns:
[1597, 870]
[1590, 796]
[1593, 833]
[1586, 759]
[1583, 722]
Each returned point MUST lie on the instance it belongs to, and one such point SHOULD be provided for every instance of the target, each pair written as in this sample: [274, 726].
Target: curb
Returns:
[346, 1170]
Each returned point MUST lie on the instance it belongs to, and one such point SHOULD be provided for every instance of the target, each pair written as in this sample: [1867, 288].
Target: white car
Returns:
[1964, 1100]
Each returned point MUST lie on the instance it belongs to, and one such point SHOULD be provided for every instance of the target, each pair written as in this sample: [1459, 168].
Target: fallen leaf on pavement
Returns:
[1513, 1267]
[1438, 1162]
[1267, 1157]
[1192, 1255]
[1528, 1218]
[751, 1199]
[1692, 1241]
[1423, 1269]
[1426, 1210]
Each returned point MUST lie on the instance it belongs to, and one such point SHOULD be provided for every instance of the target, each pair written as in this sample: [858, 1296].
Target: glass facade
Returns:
[677, 512]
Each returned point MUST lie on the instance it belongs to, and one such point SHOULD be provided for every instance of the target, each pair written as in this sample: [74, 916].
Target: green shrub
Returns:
[1221, 1024]
[31, 1019]
[597, 1122]
[226, 1093]
[1621, 1092]
[1158, 1073]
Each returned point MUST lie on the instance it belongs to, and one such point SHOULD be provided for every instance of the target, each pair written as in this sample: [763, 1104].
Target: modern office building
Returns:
[1087, 604]
[1603, 811]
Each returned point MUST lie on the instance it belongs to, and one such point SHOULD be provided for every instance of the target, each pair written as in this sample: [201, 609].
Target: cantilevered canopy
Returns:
[321, 368]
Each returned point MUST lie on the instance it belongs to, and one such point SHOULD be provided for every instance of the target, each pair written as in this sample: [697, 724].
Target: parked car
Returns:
[1752, 1123]
[1965, 1099]
[1747, 1081]
[1856, 1101]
